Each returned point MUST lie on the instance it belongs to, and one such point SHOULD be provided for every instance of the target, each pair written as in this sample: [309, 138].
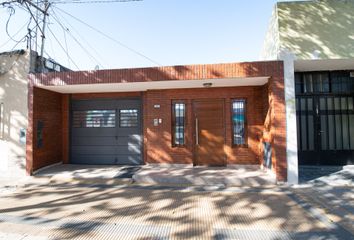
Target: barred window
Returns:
[324, 82]
[178, 123]
[239, 122]
[128, 117]
[94, 118]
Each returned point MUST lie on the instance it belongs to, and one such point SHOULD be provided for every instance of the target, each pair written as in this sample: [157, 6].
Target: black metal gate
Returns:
[325, 121]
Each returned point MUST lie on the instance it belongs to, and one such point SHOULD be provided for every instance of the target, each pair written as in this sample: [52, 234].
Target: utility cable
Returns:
[66, 47]
[15, 34]
[61, 46]
[52, 48]
[58, 14]
[109, 37]
[22, 39]
[29, 10]
[82, 47]
[11, 12]
[94, 1]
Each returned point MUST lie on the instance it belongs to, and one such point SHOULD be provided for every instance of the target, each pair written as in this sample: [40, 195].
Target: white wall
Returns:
[13, 96]
[290, 108]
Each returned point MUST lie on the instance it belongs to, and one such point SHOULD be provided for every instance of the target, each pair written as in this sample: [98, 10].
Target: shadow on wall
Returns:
[159, 143]
[191, 72]
[13, 122]
[323, 26]
[163, 151]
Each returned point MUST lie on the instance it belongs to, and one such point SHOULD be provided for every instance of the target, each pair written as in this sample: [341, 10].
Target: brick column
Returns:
[29, 135]
[278, 126]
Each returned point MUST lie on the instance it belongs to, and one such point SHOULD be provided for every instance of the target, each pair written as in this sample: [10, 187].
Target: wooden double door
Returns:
[209, 132]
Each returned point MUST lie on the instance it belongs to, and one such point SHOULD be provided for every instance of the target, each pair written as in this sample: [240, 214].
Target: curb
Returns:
[85, 181]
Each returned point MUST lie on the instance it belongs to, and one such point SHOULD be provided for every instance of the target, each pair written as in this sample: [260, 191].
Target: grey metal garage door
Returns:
[106, 132]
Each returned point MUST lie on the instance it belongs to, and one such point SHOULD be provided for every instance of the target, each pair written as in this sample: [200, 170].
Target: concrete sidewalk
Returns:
[9, 185]
[327, 175]
[148, 212]
[332, 192]
[241, 176]
[99, 206]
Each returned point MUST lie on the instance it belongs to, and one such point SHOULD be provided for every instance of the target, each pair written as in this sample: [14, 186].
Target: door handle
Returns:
[196, 132]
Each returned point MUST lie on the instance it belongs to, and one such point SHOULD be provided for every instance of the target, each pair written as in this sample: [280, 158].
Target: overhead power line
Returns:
[94, 1]
[109, 37]
[81, 38]
[61, 46]
[21, 40]
[66, 47]
[34, 18]
[11, 38]
[65, 29]
[43, 7]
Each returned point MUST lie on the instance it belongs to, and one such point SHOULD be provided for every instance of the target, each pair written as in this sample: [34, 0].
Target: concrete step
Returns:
[63, 179]
[204, 177]
[87, 174]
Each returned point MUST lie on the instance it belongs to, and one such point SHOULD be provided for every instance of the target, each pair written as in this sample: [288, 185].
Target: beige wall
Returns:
[271, 42]
[13, 97]
[323, 27]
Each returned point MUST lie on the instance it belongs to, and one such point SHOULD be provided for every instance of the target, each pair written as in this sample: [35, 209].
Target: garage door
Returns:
[106, 132]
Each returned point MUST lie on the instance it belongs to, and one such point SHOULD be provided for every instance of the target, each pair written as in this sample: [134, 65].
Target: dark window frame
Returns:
[173, 123]
[245, 144]
[120, 118]
[331, 75]
[77, 122]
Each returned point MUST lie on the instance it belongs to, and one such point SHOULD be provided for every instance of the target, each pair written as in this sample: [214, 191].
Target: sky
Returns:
[147, 33]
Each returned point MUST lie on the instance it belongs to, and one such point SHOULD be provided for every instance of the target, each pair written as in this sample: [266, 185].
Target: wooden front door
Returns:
[209, 132]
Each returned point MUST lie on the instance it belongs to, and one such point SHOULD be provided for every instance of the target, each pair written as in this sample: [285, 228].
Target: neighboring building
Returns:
[316, 41]
[317, 29]
[14, 69]
[215, 115]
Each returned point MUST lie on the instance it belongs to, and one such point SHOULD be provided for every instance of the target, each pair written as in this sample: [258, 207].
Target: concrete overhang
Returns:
[323, 65]
[155, 85]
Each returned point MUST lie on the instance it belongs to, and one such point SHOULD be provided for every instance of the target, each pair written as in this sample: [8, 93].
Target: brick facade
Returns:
[265, 110]
[44, 139]
[159, 148]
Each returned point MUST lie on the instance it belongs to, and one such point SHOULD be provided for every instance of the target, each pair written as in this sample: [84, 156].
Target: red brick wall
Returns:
[278, 126]
[272, 120]
[47, 108]
[158, 138]
[187, 72]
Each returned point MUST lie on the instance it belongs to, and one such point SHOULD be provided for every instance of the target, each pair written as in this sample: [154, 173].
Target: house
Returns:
[14, 69]
[214, 114]
[293, 107]
[316, 41]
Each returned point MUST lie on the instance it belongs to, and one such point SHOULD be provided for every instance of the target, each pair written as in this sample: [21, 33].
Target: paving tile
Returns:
[139, 212]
